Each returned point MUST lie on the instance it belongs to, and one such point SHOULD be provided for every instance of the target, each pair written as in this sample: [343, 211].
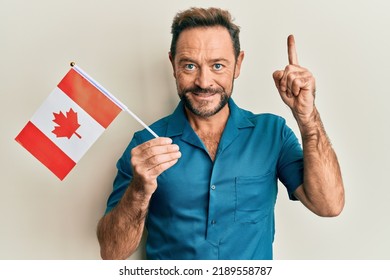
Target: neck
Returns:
[210, 129]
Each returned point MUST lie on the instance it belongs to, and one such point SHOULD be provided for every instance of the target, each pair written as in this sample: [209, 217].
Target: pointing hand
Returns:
[296, 85]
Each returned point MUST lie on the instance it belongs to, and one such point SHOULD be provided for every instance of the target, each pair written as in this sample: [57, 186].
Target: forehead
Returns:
[211, 40]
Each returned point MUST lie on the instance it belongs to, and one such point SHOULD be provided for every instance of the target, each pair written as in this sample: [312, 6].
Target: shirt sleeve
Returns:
[290, 163]
[123, 177]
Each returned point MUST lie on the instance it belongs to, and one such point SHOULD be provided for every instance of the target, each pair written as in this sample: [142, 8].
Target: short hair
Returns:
[200, 17]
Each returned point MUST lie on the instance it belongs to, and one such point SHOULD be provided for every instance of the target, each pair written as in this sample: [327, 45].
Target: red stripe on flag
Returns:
[91, 99]
[41, 147]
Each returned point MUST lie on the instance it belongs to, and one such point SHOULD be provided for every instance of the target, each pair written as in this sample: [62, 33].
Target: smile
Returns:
[204, 94]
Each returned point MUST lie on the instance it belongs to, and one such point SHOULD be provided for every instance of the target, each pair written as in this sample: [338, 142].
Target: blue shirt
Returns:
[222, 209]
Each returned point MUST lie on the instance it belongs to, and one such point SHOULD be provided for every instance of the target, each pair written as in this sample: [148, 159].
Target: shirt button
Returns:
[213, 187]
[213, 222]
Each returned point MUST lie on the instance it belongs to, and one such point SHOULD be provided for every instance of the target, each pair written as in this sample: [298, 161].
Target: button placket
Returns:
[212, 232]
[213, 197]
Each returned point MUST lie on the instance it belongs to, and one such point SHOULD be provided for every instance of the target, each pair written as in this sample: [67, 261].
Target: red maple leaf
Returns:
[67, 125]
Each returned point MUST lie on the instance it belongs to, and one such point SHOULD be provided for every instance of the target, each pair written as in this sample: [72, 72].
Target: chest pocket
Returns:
[255, 197]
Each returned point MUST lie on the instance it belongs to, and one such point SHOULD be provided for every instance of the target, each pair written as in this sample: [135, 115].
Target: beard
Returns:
[203, 110]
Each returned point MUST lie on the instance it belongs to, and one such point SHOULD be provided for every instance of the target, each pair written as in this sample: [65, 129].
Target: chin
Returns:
[206, 108]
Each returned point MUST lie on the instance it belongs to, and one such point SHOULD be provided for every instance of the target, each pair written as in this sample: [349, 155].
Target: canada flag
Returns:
[66, 125]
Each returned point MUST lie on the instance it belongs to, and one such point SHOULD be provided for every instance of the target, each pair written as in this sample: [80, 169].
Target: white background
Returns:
[124, 45]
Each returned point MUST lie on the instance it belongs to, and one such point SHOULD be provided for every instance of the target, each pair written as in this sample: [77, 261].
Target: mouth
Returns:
[203, 94]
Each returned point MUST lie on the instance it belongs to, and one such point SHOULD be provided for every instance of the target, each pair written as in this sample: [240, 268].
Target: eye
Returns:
[217, 66]
[189, 66]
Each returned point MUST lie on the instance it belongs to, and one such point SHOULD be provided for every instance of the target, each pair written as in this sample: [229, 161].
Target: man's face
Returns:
[205, 68]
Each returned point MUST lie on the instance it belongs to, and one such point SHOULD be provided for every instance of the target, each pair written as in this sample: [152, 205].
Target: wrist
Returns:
[309, 125]
[306, 121]
[136, 196]
[141, 196]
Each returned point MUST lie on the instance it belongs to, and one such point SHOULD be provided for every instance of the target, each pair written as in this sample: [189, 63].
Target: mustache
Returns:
[198, 90]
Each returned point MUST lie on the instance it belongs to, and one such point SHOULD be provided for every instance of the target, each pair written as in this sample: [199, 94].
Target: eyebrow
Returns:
[185, 59]
[221, 60]
[214, 60]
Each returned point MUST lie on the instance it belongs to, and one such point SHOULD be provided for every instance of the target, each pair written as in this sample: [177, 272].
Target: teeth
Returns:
[204, 94]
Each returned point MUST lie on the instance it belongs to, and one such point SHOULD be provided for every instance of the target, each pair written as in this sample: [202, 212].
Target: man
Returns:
[206, 188]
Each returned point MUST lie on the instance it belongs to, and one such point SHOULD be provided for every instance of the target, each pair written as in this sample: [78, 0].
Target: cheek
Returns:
[184, 80]
[227, 82]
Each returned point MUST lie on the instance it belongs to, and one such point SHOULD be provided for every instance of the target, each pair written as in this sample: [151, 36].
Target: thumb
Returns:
[277, 75]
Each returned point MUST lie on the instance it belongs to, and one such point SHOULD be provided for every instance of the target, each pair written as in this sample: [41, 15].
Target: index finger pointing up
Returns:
[292, 52]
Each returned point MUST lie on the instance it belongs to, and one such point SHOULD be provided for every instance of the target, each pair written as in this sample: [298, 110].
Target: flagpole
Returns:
[141, 122]
[111, 97]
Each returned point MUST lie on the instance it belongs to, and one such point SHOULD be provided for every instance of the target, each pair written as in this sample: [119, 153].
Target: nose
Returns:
[204, 78]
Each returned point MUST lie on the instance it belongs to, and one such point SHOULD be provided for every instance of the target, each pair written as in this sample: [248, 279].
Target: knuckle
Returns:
[155, 160]
[148, 144]
[133, 161]
[289, 68]
[291, 76]
[134, 151]
[173, 148]
[147, 153]
[159, 168]
[166, 165]
[151, 161]
[277, 75]
[138, 170]
[296, 82]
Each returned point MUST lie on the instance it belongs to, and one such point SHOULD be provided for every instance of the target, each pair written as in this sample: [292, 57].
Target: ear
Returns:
[240, 58]
[173, 64]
